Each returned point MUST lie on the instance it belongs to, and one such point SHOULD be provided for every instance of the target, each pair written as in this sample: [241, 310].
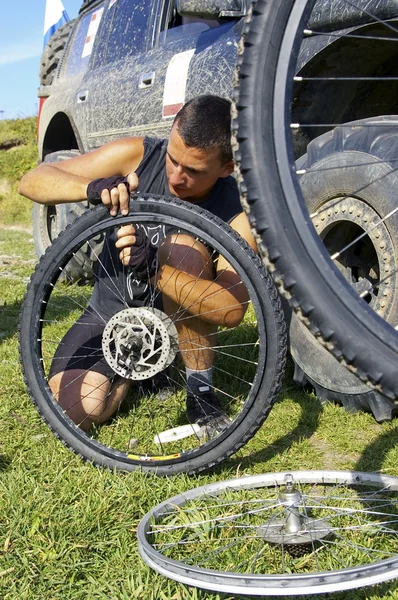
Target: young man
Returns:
[194, 165]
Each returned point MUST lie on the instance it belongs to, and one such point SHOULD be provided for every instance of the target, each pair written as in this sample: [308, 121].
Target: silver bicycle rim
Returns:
[190, 572]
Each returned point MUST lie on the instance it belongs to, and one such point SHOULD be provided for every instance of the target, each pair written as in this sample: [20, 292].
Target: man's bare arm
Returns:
[241, 224]
[67, 181]
[48, 184]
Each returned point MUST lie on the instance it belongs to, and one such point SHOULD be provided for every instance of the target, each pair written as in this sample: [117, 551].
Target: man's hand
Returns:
[136, 251]
[126, 239]
[118, 198]
[113, 193]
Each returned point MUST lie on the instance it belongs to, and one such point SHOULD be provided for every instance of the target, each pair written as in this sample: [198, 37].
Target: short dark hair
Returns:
[205, 122]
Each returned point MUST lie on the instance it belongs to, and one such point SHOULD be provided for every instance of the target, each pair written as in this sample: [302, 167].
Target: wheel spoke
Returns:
[326, 546]
[122, 365]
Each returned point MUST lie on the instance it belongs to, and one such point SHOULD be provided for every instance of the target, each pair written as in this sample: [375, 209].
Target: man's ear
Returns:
[228, 168]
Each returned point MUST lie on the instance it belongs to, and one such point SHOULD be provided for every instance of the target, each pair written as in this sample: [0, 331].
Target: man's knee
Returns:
[185, 253]
[87, 397]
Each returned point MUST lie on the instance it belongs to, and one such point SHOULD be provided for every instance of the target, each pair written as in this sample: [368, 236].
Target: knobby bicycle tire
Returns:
[271, 194]
[249, 359]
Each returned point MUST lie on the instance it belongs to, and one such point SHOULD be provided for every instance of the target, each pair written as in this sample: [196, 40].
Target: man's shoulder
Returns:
[231, 199]
[154, 150]
[152, 165]
[230, 189]
[154, 142]
[136, 146]
[230, 184]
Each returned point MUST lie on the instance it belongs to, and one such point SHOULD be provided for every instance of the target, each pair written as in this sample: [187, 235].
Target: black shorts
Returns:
[81, 347]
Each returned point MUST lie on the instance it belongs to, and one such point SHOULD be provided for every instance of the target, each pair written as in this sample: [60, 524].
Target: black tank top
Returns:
[223, 201]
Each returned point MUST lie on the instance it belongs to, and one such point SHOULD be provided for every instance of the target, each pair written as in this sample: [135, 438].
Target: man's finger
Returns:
[124, 256]
[124, 199]
[106, 198]
[126, 241]
[125, 230]
[114, 202]
[132, 180]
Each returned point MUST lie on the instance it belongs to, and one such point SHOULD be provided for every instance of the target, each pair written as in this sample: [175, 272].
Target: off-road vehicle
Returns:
[124, 67]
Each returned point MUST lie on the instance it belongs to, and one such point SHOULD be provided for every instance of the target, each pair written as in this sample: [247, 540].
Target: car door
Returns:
[144, 68]
[109, 87]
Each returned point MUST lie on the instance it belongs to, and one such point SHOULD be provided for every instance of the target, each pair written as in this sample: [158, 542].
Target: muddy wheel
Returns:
[276, 38]
[49, 221]
[344, 206]
[52, 53]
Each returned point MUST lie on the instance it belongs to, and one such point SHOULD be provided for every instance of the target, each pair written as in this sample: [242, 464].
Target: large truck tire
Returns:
[345, 205]
[53, 52]
[316, 370]
[49, 221]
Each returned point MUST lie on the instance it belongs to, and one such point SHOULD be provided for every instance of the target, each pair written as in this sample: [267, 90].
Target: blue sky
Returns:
[21, 44]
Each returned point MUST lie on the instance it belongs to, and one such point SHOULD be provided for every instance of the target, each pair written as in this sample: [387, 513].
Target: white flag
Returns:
[56, 16]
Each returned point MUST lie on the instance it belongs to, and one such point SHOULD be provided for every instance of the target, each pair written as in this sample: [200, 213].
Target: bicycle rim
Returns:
[270, 127]
[248, 359]
[302, 532]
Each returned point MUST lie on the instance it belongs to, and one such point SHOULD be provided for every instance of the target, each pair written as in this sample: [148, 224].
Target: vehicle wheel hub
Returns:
[352, 228]
[139, 342]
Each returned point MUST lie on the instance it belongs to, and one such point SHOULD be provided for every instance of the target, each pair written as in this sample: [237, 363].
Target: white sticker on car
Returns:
[92, 32]
[175, 83]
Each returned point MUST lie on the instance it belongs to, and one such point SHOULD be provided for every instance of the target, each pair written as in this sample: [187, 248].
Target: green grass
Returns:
[23, 130]
[15, 162]
[206, 529]
[68, 529]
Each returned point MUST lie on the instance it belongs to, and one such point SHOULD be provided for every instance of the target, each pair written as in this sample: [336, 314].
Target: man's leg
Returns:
[80, 378]
[88, 397]
[197, 337]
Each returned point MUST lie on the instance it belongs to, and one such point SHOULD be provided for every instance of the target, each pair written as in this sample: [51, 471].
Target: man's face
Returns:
[192, 172]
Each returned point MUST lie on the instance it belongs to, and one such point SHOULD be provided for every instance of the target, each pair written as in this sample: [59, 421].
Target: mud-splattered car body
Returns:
[128, 65]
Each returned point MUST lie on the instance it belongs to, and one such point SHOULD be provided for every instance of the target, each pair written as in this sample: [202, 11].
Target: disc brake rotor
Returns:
[139, 342]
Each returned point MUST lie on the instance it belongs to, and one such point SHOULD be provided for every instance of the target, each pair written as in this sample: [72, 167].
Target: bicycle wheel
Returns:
[281, 108]
[304, 532]
[148, 431]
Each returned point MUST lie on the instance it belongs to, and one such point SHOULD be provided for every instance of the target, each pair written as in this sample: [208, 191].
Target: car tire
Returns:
[53, 52]
[49, 221]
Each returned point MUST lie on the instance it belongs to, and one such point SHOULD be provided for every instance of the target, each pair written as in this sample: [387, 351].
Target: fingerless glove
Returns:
[142, 255]
[96, 186]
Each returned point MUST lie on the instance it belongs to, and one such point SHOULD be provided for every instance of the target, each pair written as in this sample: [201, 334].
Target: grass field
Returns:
[68, 529]
[19, 136]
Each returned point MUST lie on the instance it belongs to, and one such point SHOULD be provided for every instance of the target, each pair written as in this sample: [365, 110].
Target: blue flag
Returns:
[56, 16]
